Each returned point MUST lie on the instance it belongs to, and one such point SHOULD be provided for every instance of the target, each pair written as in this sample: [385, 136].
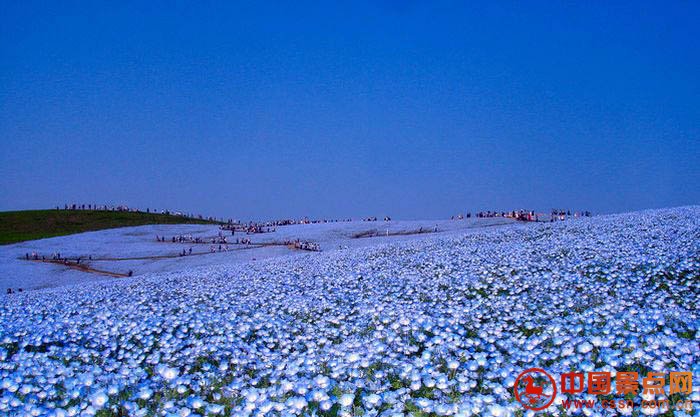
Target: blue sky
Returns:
[412, 109]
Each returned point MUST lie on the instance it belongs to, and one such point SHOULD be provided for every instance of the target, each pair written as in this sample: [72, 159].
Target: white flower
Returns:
[99, 399]
[346, 400]
[585, 347]
[372, 400]
[167, 372]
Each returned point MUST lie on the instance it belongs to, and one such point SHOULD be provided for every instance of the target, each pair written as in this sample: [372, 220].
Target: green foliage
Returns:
[18, 226]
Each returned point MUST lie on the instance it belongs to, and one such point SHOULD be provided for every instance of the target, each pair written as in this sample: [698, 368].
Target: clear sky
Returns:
[412, 109]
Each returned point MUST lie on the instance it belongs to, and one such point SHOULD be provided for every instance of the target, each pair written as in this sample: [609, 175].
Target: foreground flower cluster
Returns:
[437, 326]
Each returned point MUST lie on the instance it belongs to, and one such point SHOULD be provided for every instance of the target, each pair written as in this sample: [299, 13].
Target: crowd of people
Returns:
[194, 240]
[303, 245]
[558, 214]
[212, 249]
[521, 215]
[56, 256]
[526, 215]
[124, 208]
[305, 220]
[271, 226]
[374, 219]
[249, 228]
[217, 240]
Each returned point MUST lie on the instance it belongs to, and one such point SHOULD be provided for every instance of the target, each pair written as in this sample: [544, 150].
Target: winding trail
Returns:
[72, 263]
[83, 268]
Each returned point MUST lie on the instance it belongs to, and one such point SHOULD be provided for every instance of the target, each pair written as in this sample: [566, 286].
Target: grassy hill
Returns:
[18, 226]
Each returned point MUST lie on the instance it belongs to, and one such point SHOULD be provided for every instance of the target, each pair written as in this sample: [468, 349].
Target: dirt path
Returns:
[177, 255]
[376, 233]
[83, 268]
[72, 263]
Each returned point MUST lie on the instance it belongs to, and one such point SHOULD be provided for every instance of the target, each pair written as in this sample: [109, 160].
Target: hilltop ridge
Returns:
[19, 226]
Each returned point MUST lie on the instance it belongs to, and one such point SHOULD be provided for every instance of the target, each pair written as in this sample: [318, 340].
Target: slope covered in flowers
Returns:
[437, 326]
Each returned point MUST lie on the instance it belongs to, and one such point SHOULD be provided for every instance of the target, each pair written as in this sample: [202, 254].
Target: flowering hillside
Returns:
[432, 326]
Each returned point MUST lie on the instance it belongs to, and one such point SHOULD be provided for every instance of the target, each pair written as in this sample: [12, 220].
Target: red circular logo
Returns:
[530, 387]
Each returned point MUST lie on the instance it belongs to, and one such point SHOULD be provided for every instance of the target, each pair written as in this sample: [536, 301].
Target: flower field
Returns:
[433, 326]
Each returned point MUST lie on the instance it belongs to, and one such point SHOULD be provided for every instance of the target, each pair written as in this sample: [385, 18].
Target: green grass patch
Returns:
[19, 226]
